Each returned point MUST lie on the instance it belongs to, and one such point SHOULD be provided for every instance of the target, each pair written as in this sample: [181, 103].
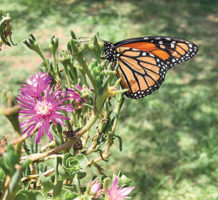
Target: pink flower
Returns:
[116, 193]
[36, 84]
[42, 107]
[75, 95]
[96, 190]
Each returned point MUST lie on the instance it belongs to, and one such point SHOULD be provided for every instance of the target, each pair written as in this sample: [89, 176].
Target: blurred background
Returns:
[170, 139]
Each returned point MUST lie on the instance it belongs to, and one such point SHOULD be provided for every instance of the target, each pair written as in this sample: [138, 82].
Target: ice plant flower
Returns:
[96, 190]
[116, 193]
[75, 95]
[36, 84]
[43, 110]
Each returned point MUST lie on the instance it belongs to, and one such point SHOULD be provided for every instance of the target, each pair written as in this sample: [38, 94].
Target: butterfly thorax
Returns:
[110, 51]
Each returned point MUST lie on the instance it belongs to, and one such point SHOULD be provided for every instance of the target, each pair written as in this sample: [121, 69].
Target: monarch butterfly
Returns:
[143, 62]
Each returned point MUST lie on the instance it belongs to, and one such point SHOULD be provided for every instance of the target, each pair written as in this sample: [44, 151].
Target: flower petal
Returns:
[126, 191]
[47, 125]
[115, 183]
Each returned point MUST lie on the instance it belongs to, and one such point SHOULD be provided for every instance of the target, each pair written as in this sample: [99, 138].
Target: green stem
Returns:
[43, 58]
[117, 111]
[77, 183]
[57, 73]
[56, 171]
[66, 145]
[87, 71]
[61, 137]
[100, 99]
[67, 75]
[19, 148]
[54, 60]
[89, 124]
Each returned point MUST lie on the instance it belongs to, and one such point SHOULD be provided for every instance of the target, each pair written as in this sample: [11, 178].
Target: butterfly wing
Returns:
[140, 72]
[143, 62]
[172, 51]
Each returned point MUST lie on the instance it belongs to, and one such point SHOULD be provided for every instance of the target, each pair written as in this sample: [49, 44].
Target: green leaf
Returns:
[15, 180]
[64, 193]
[29, 195]
[120, 142]
[2, 165]
[56, 137]
[25, 164]
[2, 175]
[81, 174]
[57, 188]
[86, 197]
[35, 195]
[62, 173]
[70, 164]
[46, 183]
[70, 196]
[57, 162]
[42, 167]
[11, 159]
[83, 161]
[22, 195]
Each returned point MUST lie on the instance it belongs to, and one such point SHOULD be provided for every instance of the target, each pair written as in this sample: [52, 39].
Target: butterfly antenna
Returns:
[84, 39]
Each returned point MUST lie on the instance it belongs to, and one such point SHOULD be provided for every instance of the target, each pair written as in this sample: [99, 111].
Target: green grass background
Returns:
[170, 139]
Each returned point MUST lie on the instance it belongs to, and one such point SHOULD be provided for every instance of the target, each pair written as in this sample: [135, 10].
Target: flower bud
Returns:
[73, 35]
[106, 183]
[98, 80]
[96, 186]
[93, 64]
[125, 180]
[64, 58]
[53, 44]
[31, 43]
[72, 46]
[95, 189]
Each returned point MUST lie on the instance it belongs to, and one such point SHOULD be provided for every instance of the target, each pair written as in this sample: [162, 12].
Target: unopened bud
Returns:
[53, 44]
[64, 58]
[31, 43]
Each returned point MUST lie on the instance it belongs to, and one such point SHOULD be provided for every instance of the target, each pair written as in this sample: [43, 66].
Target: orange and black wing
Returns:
[140, 72]
[143, 62]
[172, 51]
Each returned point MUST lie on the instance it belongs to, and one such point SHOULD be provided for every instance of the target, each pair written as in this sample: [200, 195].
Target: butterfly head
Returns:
[110, 51]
